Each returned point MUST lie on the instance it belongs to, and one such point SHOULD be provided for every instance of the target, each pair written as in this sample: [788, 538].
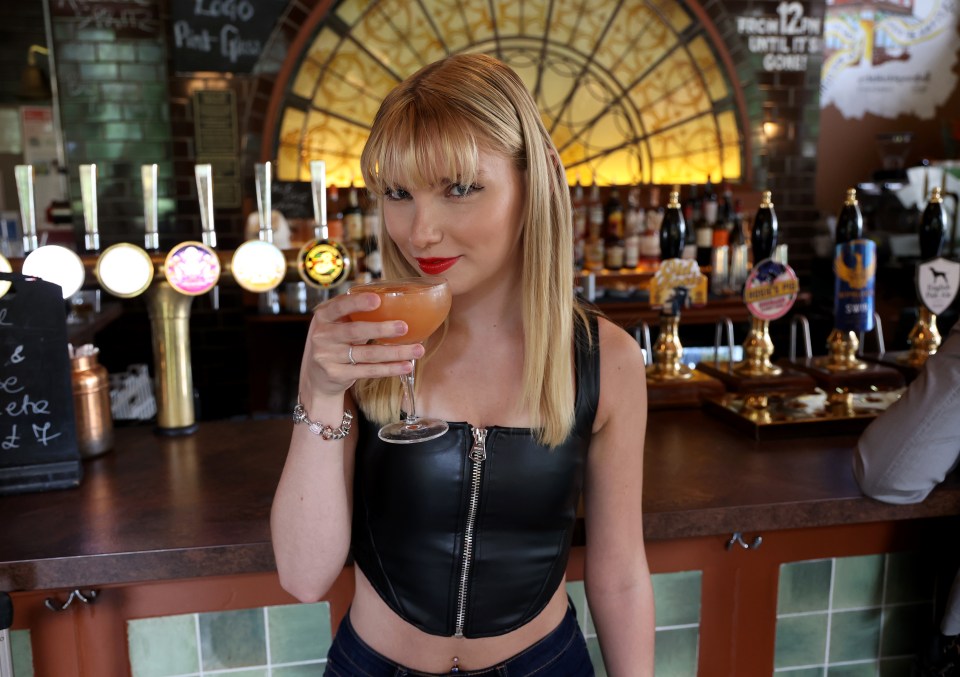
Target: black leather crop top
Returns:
[469, 534]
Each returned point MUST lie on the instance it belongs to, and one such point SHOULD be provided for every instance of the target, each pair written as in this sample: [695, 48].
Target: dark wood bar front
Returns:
[174, 525]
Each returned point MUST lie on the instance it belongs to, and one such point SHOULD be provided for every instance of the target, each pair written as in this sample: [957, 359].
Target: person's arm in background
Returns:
[912, 446]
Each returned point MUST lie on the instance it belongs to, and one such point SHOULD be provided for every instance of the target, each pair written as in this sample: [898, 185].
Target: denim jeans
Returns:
[562, 653]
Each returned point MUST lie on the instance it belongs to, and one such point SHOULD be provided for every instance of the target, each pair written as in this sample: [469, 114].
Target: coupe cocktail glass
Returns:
[423, 303]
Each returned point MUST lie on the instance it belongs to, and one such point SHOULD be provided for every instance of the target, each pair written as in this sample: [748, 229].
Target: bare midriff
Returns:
[389, 635]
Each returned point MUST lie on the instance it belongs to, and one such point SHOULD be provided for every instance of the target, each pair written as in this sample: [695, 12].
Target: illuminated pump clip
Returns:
[259, 265]
[322, 263]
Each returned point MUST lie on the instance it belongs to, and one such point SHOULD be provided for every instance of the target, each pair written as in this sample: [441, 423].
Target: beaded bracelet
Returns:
[317, 428]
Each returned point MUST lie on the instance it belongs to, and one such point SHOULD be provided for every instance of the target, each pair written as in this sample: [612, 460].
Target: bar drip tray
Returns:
[778, 415]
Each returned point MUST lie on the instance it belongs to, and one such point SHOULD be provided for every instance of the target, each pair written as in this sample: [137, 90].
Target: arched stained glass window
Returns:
[632, 91]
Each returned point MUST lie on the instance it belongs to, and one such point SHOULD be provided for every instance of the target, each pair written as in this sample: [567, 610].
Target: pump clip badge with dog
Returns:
[937, 283]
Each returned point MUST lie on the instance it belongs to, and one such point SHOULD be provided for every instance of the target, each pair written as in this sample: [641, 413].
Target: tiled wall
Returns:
[853, 616]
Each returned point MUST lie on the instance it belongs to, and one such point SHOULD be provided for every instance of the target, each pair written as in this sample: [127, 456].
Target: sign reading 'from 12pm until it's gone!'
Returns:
[786, 39]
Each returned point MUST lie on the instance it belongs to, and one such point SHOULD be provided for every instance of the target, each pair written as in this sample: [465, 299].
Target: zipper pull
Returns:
[478, 452]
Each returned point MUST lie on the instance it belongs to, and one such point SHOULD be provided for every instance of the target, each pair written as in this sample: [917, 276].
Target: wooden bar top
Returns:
[159, 508]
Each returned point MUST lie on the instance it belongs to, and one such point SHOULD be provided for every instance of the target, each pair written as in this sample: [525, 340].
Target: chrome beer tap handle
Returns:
[264, 200]
[88, 196]
[318, 185]
[204, 175]
[28, 215]
[148, 177]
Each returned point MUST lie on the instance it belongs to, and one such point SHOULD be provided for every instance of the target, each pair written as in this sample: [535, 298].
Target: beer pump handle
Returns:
[765, 229]
[318, 185]
[262, 173]
[204, 174]
[673, 229]
[933, 226]
[28, 215]
[88, 197]
[151, 236]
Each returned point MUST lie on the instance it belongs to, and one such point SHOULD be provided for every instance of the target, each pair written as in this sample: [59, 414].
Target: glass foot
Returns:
[408, 433]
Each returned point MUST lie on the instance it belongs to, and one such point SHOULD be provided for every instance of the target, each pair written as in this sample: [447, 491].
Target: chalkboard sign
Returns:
[221, 35]
[38, 437]
[293, 199]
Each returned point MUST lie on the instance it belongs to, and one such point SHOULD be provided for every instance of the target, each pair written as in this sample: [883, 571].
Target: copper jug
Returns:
[91, 398]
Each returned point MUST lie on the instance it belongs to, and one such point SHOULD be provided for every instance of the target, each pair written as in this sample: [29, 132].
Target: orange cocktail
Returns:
[421, 302]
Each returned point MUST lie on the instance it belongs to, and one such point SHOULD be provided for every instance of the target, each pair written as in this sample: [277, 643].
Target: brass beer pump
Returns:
[667, 351]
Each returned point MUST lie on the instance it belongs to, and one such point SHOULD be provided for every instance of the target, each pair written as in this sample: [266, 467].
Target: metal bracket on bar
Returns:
[87, 597]
[808, 346]
[641, 333]
[723, 323]
[737, 539]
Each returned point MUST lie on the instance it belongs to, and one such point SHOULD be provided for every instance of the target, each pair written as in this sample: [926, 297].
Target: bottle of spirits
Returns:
[371, 244]
[673, 230]
[595, 253]
[579, 202]
[763, 236]
[613, 220]
[633, 226]
[653, 218]
[703, 232]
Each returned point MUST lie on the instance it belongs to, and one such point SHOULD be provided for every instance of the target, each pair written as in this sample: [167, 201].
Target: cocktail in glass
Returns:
[423, 303]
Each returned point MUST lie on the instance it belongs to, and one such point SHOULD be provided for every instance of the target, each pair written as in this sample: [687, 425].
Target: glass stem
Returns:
[408, 405]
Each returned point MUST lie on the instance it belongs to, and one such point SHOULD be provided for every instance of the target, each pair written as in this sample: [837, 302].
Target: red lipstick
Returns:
[436, 266]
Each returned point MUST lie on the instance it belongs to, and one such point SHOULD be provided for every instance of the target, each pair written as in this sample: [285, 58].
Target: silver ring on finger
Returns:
[350, 356]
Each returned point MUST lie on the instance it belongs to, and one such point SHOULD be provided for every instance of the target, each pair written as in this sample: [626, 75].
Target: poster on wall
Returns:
[784, 40]
[889, 57]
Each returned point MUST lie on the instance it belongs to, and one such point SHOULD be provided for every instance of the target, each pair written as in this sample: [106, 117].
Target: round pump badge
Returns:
[192, 268]
[56, 264]
[124, 270]
[323, 264]
[258, 266]
[771, 290]
[5, 267]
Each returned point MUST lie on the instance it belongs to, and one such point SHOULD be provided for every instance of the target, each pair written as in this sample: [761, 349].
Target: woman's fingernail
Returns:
[418, 351]
[400, 327]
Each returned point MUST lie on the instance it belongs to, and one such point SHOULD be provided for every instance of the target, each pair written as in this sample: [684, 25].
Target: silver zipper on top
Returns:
[477, 454]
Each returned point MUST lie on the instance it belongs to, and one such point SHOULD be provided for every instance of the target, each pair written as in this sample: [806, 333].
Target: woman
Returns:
[552, 398]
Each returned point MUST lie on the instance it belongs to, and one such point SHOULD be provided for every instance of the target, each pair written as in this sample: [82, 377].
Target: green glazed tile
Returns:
[909, 578]
[593, 647]
[804, 586]
[855, 635]
[801, 640]
[906, 628]
[311, 670]
[858, 582]
[677, 598]
[299, 632]
[802, 672]
[232, 639]
[676, 652]
[22, 651]
[867, 669]
[901, 666]
[165, 646]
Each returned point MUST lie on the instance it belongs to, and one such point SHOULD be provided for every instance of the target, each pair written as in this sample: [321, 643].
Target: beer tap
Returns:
[322, 263]
[49, 262]
[204, 176]
[124, 269]
[667, 350]
[924, 339]
[757, 346]
[259, 265]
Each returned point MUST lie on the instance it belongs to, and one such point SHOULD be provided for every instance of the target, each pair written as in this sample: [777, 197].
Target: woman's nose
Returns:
[425, 229]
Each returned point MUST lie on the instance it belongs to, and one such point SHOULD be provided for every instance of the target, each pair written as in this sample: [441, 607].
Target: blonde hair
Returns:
[431, 126]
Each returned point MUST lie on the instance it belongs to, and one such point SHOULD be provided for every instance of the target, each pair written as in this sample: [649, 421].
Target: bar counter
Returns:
[157, 508]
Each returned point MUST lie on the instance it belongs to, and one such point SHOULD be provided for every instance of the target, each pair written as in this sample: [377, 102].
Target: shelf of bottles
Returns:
[170, 280]
[617, 237]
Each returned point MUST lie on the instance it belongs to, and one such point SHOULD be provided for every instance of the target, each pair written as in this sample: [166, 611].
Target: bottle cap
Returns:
[674, 201]
[936, 194]
[851, 197]
[766, 199]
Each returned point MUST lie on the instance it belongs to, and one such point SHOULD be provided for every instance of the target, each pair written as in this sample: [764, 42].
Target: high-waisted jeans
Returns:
[562, 653]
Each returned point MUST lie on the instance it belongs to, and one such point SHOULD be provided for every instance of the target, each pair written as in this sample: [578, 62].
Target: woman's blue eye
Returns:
[460, 190]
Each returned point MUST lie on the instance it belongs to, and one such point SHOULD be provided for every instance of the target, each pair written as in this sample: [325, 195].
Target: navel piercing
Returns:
[456, 666]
